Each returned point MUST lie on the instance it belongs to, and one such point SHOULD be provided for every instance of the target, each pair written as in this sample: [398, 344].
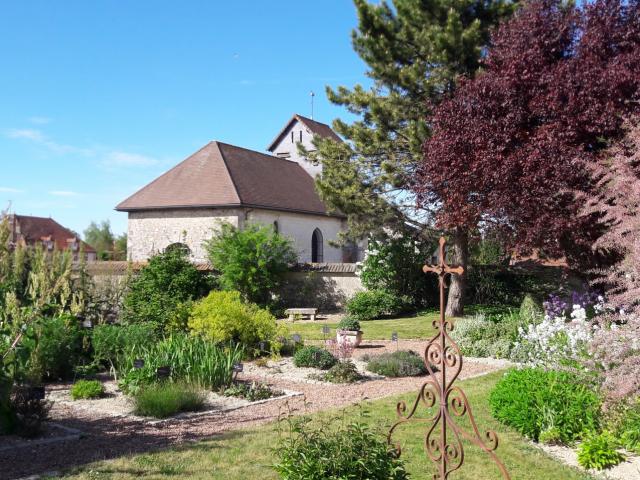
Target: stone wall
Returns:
[323, 286]
[151, 231]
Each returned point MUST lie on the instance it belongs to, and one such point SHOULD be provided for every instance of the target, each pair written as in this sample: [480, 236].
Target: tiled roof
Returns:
[317, 128]
[222, 175]
[34, 230]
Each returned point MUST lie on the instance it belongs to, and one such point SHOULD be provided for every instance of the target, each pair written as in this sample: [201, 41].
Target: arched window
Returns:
[317, 247]
[180, 247]
[276, 227]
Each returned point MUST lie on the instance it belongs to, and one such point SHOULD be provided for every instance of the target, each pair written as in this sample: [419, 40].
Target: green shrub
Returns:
[349, 323]
[112, 343]
[397, 364]
[155, 295]
[314, 357]
[531, 311]
[251, 391]
[599, 451]
[395, 265]
[224, 317]
[192, 359]
[624, 420]
[29, 412]
[532, 400]
[344, 371]
[85, 389]
[487, 335]
[344, 451]
[372, 304]
[252, 261]
[162, 400]
[55, 348]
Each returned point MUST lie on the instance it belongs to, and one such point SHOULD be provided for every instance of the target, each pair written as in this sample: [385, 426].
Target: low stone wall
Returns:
[326, 286]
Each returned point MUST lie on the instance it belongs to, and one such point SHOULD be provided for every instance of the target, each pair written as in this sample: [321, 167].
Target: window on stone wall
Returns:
[180, 247]
[317, 247]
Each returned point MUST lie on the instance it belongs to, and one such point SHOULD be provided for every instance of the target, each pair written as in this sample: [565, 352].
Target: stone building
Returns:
[226, 183]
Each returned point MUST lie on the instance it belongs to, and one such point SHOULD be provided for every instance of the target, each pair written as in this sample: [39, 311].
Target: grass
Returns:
[162, 400]
[406, 327]
[248, 453]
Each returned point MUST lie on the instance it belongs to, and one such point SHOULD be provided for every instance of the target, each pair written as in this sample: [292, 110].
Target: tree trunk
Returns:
[458, 283]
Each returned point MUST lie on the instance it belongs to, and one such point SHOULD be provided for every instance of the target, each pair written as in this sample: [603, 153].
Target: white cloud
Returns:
[63, 193]
[128, 159]
[27, 134]
[37, 120]
[36, 136]
[10, 190]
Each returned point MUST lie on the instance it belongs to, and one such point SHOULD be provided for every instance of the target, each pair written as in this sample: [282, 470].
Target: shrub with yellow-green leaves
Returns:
[224, 317]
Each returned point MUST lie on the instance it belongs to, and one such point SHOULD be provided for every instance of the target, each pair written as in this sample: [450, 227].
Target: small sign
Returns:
[394, 336]
[263, 346]
[316, 356]
[87, 324]
[138, 363]
[296, 338]
[238, 367]
[163, 372]
[326, 330]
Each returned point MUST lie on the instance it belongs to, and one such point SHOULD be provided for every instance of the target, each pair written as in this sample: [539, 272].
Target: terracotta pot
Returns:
[354, 337]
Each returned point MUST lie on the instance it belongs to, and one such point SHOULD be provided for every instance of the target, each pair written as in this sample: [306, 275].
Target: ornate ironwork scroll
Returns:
[449, 403]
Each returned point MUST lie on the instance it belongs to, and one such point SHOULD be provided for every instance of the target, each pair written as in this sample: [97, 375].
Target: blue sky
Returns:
[99, 97]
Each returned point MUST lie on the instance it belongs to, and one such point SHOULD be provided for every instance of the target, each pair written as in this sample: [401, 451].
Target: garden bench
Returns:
[305, 312]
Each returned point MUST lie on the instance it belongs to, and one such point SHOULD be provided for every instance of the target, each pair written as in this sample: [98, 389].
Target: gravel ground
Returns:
[627, 470]
[109, 437]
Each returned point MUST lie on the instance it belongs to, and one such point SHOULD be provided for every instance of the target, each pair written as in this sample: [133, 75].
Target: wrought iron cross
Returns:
[442, 399]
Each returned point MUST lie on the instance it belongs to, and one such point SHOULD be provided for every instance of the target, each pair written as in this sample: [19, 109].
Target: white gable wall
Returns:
[151, 231]
[299, 227]
[290, 148]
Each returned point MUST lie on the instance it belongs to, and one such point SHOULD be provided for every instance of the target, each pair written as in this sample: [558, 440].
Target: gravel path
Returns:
[109, 437]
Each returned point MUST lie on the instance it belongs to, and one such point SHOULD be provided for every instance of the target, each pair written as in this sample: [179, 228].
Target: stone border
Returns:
[71, 434]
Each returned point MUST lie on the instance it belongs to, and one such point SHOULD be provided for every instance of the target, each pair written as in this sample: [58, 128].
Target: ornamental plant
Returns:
[86, 389]
[316, 357]
[373, 304]
[599, 451]
[156, 293]
[349, 323]
[225, 317]
[252, 261]
[533, 400]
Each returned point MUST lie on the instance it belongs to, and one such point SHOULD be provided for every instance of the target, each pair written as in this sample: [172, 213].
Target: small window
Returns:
[276, 228]
[292, 141]
[301, 135]
[180, 247]
[317, 247]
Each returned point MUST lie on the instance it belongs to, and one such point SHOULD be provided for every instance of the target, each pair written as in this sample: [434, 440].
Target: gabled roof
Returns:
[317, 128]
[33, 230]
[223, 175]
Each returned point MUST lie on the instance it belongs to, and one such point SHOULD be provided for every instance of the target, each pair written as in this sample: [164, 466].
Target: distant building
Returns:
[46, 232]
[226, 183]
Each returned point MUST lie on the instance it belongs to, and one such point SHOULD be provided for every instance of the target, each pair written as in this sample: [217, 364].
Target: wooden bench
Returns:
[304, 312]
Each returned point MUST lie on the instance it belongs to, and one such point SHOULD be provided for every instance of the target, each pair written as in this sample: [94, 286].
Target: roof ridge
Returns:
[275, 157]
[226, 167]
[164, 173]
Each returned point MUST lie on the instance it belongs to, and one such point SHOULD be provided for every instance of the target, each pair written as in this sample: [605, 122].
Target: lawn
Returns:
[406, 327]
[247, 454]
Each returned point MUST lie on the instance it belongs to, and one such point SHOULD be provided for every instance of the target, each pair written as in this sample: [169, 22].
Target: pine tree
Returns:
[415, 51]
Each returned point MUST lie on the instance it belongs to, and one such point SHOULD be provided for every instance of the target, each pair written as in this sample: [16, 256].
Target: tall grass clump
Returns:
[192, 359]
[161, 400]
